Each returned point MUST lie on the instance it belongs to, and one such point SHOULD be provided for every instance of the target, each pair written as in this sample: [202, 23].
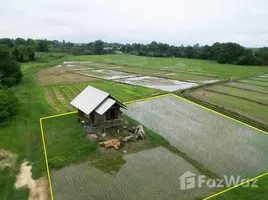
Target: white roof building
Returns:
[92, 99]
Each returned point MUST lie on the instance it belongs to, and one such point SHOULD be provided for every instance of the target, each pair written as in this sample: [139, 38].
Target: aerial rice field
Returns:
[204, 136]
[190, 66]
[149, 174]
[249, 109]
[248, 97]
[59, 96]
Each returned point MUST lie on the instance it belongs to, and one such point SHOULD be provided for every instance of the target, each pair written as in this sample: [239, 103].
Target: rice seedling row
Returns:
[240, 93]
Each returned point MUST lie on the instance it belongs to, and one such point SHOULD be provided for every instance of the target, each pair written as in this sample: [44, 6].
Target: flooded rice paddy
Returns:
[108, 74]
[158, 83]
[149, 174]
[218, 143]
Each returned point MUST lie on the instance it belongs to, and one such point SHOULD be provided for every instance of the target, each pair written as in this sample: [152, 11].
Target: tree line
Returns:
[225, 53]
[10, 75]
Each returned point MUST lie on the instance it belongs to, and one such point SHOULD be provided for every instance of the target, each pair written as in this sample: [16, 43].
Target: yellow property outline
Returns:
[144, 99]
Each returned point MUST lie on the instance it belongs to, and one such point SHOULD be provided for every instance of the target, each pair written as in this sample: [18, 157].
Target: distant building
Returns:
[96, 107]
[107, 48]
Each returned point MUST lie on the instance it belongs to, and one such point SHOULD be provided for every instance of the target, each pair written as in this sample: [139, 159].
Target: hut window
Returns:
[112, 114]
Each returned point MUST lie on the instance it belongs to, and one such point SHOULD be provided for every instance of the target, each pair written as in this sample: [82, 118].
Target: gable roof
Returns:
[94, 99]
[105, 105]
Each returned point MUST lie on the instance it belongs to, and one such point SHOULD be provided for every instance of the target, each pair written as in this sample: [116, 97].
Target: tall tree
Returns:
[10, 72]
[42, 45]
[8, 104]
[98, 47]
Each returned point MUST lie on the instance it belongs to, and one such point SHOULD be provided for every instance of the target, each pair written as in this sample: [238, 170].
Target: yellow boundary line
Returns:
[144, 99]
[45, 153]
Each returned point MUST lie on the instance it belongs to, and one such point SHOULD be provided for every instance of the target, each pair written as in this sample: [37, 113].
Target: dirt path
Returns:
[39, 189]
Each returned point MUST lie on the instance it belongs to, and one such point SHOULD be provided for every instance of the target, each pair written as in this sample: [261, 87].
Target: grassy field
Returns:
[256, 97]
[60, 96]
[22, 135]
[246, 108]
[191, 66]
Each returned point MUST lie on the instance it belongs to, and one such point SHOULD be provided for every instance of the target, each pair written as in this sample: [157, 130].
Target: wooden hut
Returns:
[98, 108]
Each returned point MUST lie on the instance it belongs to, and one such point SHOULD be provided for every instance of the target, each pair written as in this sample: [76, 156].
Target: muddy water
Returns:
[149, 174]
[109, 74]
[206, 81]
[220, 144]
[158, 83]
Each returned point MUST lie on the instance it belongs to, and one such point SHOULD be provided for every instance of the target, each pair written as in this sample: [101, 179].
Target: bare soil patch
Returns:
[60, 75]
[39, 189]
[7, 158]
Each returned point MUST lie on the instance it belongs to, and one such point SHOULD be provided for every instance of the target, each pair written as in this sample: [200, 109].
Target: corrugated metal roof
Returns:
[89, 99]
[105, 105]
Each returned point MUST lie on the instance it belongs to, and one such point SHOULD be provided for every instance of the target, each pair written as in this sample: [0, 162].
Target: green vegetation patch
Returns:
[109, 165]
[247, 193]
[193, 66]
[241, 93]
[66, 141]
[22, 134]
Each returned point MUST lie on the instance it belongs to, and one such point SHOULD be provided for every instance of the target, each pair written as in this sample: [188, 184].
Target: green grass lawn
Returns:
[192, 66]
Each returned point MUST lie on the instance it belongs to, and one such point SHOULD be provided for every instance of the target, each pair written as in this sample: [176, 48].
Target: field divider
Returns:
[45, 154]
[139, 100]
[147, 98]
[264, 80]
